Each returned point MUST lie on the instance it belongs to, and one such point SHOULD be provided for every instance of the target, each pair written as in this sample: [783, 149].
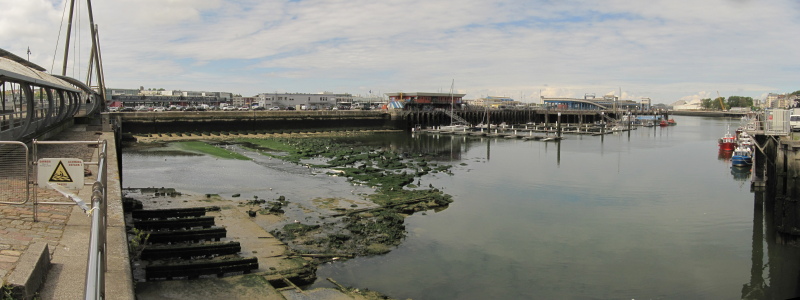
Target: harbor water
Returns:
[654, 213]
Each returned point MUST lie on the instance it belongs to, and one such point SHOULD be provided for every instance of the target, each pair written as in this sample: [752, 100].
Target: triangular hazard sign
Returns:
[60, 174]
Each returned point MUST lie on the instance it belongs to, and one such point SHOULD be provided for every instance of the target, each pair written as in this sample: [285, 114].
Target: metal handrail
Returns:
[96, 263]
[97, 254]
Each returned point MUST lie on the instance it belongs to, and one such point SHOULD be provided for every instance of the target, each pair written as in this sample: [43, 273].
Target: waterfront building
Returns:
[324, 100]
[244, 101]
[122, 92]
[684, 105]
[494, 102]
[590, 102]
[779, 100]
[423, 100]
[165, 98]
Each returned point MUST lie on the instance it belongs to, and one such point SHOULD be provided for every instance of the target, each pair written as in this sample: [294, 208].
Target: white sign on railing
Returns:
[65, 172]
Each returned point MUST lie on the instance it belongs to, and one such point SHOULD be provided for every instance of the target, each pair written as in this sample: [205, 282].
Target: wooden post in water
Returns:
[558, 126]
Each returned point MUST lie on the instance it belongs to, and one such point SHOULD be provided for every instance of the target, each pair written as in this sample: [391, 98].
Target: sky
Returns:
[666, 50]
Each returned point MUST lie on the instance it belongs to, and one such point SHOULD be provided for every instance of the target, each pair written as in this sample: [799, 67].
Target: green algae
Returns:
[370, 231]
[203, 147]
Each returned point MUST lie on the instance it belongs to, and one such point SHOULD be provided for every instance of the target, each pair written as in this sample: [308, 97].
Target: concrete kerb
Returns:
[30, 272]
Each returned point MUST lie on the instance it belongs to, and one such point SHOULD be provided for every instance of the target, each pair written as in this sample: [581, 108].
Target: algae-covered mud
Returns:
[365, 231]
[384, 183]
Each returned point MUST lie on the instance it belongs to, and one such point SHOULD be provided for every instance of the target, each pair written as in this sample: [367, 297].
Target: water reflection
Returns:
[740, 173]
[725, 155]
[779, 277]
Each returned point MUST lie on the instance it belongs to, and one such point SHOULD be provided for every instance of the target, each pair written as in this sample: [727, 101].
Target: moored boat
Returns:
[742, 157]
[727, 142]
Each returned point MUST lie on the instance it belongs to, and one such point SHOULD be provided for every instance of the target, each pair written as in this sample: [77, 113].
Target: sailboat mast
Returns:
[451, 100]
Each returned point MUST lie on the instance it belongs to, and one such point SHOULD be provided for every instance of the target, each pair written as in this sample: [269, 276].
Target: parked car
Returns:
[228, 108]
[274, 108]
[290, 108]
[244, 108]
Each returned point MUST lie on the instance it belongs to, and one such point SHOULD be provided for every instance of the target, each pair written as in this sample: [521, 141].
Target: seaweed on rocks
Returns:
[357, 231]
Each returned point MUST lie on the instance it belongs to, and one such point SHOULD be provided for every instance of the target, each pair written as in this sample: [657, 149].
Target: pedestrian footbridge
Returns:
[33, 102]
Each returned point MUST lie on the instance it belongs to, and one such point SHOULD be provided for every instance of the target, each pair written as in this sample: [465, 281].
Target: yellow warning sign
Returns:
[60, 174]
[65, 172]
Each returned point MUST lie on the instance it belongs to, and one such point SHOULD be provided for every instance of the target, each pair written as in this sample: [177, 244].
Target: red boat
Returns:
[665, 123]
[727, 142]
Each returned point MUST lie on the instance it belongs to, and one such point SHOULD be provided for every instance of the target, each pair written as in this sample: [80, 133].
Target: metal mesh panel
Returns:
[14, 187]
[777, 122]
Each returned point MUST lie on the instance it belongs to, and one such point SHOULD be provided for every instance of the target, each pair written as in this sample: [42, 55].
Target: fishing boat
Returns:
[742, 157]
[745, 141]
[727, 142]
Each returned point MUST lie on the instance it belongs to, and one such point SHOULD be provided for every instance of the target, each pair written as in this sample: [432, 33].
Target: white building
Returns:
[324, 100]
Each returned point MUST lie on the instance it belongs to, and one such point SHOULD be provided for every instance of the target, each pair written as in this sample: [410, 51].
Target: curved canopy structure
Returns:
[33, 102]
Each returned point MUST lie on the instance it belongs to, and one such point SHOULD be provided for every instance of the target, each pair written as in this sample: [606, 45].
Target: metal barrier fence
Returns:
[14, 174]
[96, 263]
[776, 122]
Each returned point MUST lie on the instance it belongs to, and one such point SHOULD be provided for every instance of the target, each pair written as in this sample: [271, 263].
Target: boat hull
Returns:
[739, 161]
[727, 146]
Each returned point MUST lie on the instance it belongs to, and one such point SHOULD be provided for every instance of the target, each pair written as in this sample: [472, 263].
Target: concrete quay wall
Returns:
[783, 187]
[163, 122]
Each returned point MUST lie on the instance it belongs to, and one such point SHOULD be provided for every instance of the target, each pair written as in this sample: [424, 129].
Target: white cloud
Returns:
[664, 50]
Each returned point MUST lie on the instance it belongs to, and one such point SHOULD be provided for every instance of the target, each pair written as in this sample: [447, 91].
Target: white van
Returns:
[794, 122]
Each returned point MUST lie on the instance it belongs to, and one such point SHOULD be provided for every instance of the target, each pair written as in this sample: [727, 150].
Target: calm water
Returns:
[654, 214]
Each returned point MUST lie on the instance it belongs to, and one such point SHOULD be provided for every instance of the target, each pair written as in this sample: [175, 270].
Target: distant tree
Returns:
[739, 101]
[795, 93]
[706, 103]
[717, 103]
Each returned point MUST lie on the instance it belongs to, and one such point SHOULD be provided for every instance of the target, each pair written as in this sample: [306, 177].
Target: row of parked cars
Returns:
[200, 108]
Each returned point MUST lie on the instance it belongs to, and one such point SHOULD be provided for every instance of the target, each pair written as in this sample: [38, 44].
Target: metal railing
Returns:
[97, 261]
[14, 173]
[96, 265]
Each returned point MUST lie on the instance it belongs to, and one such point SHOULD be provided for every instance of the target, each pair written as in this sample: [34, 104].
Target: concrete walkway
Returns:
[48, 257]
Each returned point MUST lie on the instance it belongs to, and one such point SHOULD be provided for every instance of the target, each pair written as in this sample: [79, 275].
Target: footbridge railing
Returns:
[33, 102]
